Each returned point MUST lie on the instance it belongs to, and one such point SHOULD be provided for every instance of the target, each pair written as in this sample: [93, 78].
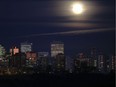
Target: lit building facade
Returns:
[2, 53]
[26, 47]
[31, 58]
[14, 50]
[56, 48]
[68, 64]
[93, 58]
[43, 54]
[17, 60]
[81, 63]
[43, 61]
[2, 50]
[60, 61]
[112, 63]
[101, 63]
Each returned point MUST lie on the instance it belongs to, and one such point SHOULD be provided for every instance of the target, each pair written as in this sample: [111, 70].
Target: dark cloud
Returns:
[76, 32]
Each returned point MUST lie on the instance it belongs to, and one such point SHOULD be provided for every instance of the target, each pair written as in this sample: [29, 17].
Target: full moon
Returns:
[77, 8]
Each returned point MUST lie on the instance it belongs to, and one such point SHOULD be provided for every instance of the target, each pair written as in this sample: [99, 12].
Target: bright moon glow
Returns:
[77, 8]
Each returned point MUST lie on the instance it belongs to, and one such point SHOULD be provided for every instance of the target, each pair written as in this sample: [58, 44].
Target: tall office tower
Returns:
[81, 63]
[17, 60]
[112, 62]
[56, 48]
[101, 63]
[14, 50]
[60, 62]
[31, 58]
[43, 61]
[2, 51]
[26, 47]
[93, 59]
[68, 64]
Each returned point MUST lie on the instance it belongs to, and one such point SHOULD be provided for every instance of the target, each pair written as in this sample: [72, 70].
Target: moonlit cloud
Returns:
[74, 32]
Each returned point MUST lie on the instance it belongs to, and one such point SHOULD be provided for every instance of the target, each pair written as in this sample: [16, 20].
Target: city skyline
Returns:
[18, 62]
[55, 47]
[58, 61]
[55, 43]
[41, 22]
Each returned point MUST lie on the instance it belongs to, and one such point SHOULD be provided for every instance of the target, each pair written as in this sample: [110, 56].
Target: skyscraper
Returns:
[60, 62]
[93, 58]
[56, 48]
[101, 63]
[31, 58]
[17, 60]
[26, 47]
[112, 62]
[43, 61]
[14, 50]
[68, 64]
[2, 53]
[2, 50]
[81, 63]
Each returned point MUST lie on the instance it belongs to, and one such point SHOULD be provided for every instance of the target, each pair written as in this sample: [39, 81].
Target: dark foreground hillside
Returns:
[64, 80]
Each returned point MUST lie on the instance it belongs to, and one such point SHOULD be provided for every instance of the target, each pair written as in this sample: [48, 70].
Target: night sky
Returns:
[44, 21]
